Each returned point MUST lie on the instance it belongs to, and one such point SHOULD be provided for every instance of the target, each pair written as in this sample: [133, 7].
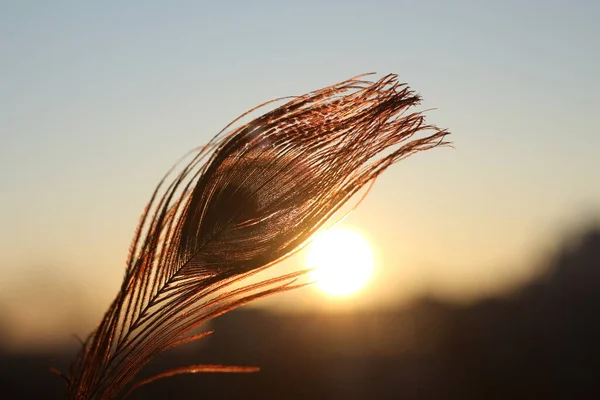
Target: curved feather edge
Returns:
[193, 369]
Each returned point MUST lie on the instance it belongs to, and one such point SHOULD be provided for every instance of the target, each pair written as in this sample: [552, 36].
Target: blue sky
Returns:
[98, 100]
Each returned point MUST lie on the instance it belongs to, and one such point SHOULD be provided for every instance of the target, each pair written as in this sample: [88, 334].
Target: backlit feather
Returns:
[245, 201]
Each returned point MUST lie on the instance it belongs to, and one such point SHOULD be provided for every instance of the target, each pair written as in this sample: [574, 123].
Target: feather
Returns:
[245, 201]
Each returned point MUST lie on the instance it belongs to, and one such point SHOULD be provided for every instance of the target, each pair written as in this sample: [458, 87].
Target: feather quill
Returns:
[246, 200]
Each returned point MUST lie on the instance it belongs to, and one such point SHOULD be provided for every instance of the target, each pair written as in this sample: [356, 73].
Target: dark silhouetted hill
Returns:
[539, 343]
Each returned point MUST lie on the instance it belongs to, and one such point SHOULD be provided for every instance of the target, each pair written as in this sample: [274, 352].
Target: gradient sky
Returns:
[98, 100]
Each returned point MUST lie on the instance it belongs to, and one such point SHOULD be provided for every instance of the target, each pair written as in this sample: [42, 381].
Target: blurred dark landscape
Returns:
[540, 341]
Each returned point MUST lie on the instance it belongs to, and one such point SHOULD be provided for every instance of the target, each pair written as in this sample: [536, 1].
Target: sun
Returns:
[342, 259]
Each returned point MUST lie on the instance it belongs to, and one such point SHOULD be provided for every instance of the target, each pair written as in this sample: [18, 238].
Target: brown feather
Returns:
[245, 201]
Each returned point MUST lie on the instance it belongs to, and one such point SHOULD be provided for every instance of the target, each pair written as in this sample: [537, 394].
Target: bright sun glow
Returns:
[342, 259]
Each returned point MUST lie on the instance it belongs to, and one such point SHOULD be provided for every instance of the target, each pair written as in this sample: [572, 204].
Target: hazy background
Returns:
[98, 100]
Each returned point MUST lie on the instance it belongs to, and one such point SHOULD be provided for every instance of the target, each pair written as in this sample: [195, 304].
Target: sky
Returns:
[99, 99]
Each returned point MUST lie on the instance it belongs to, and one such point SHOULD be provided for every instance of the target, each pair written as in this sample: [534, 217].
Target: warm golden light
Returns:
[342, 260]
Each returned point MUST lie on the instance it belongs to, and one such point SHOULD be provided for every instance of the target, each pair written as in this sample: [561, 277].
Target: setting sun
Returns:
[342, 260]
